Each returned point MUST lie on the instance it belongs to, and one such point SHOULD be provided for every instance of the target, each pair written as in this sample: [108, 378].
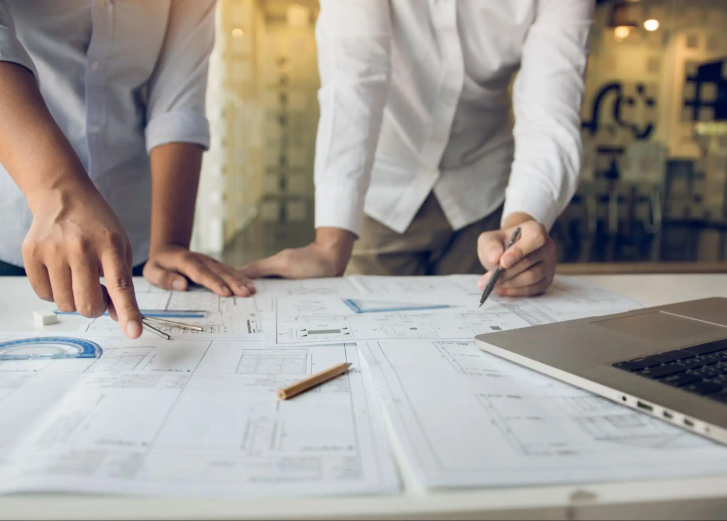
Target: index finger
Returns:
[533, 238]
[120, 286]
[490, 247]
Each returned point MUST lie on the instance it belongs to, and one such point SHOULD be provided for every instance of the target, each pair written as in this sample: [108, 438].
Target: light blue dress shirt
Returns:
[120, 77]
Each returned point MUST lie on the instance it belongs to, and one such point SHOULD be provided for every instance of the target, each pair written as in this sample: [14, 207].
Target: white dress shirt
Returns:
[414, 98]
[119, 77]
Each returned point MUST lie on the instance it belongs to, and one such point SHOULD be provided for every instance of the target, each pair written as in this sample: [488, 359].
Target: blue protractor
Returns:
[49, 348]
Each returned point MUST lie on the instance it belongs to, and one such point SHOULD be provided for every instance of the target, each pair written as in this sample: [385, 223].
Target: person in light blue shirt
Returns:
[102, 130]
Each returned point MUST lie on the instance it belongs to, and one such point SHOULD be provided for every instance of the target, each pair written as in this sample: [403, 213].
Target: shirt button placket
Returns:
[451, 86]
[95, 78]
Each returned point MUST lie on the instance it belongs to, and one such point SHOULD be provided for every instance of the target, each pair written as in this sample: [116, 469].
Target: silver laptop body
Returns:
[615, 356]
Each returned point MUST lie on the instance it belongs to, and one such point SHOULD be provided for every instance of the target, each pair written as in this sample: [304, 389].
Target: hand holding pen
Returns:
[526, 268]
[497, 271]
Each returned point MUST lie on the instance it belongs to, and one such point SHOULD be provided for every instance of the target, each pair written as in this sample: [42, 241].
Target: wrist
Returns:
[336, 244]
[156, 248]
[59, 191]
[516, 219]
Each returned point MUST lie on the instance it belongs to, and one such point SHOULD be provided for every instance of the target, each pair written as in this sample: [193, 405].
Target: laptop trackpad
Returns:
[659, 326]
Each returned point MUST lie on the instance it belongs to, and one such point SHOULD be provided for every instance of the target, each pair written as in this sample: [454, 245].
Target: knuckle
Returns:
[31, 248]
[80, 244]
[121, 283]
[43, 292]
[53, 249]
[90, 309]
[115, 241]
[481, 240]
[539, 240]
[196, 271]
[66, 305]
[189, 257]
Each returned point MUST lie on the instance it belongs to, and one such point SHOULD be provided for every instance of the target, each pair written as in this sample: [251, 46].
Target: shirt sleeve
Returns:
[176, 90]
[11, 50]
[547, 97]
[354, 42]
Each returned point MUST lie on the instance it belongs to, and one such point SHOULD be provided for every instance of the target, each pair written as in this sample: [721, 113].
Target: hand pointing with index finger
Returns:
[75, 238]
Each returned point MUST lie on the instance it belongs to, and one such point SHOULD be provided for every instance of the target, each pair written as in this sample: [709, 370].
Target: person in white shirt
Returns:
[415, 132]
[102, 130]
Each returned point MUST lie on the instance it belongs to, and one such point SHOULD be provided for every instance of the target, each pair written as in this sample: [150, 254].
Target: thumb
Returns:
[490, 247]
[164, 278]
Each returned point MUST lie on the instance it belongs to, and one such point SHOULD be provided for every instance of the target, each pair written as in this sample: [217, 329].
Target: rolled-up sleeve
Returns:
[547, 98]
[176, 106]
[354, 42]
[11, 50]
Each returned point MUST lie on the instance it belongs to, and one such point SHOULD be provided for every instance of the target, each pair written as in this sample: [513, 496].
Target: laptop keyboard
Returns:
[700, 369]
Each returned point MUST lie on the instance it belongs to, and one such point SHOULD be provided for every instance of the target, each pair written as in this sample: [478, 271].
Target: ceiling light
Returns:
[651, 24]
[621, 32]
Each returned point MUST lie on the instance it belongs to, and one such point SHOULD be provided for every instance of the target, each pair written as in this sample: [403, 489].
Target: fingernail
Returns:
[133, 329]
[178, 284]
[251, 287]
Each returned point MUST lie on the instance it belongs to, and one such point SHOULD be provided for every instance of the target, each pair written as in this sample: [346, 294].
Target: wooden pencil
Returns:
[313, 380]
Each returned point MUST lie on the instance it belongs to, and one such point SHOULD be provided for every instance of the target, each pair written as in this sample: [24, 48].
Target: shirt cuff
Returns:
[340, 207]
[14, 53]
[178, 126]
[537, 202]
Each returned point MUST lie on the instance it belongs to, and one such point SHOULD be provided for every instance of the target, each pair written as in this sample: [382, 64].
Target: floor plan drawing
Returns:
[567, 299]
[220, 317]
[325, 319]
[422, 285]
[488, 422]
[326, 286]
[201, 417]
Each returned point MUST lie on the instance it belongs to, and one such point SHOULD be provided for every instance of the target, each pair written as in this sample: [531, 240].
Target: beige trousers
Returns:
[428, 247]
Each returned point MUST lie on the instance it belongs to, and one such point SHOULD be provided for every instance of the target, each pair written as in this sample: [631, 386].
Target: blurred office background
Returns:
[654, 124]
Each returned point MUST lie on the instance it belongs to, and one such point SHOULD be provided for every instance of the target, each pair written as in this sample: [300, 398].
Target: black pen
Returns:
[496, 273]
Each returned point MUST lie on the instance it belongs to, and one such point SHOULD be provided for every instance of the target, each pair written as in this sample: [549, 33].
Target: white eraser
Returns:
[44, 319]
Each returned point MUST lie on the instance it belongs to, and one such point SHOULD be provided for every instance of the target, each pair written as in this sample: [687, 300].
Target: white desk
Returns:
[691, 498]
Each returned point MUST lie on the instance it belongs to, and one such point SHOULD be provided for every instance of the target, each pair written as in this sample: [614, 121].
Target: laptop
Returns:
[667, 361]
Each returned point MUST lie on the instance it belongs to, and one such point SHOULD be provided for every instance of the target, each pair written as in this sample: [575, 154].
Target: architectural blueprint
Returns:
[92, 411]
[30, 386]
[425, 285]
[463, 417]
[330, 286]
[569, 299]
[320, 319]
[312, 319]
[231, 317]
[194, 417]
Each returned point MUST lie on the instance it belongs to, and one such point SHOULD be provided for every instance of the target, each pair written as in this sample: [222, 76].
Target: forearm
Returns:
[175, 170]
[33, 149]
